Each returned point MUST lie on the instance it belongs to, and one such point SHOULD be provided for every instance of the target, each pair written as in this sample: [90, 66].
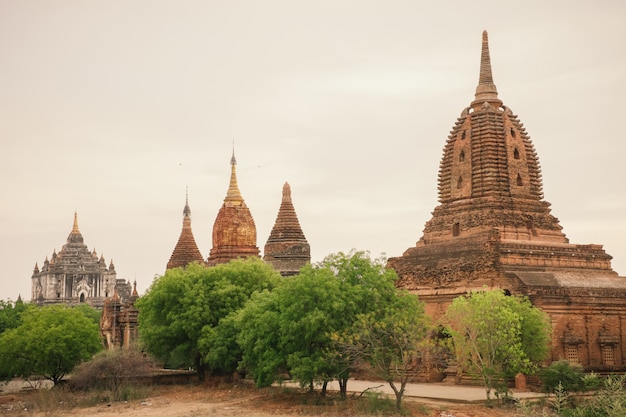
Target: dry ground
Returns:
[196, 401]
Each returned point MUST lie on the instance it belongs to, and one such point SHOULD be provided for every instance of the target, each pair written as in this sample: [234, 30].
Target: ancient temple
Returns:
[287, 250]
[76, 275]
[234, 231]
[493, 229]
[186, 250]
[118, 323]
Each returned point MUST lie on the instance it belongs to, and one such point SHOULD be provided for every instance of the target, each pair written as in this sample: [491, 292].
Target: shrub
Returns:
[569, 376]
[110, 369]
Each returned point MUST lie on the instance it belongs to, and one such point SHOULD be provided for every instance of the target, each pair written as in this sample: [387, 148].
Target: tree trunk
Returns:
[343, 386]
[199, 367]
[399, 393]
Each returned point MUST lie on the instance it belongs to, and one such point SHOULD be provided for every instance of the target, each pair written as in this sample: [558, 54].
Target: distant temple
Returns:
[287, 250]
[493, 229]
[76, 275]
[234, 234]
[234, 231]
[186, 250]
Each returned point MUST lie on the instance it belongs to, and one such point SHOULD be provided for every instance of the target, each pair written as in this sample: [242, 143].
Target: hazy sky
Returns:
[112, 108]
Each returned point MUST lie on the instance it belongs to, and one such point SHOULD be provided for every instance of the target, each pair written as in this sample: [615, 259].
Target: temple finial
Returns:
[75, 225]
[486, 90]
[286, 192]
[233, 193]
[187, 210]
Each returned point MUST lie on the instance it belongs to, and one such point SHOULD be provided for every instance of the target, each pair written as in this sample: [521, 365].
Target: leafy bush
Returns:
[569, 376]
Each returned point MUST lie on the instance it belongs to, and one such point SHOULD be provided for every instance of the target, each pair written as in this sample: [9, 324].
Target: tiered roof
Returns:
[492, 219]
[490, 167]
[74, 274]
[75, 256]
[186, 250]
[287, 249]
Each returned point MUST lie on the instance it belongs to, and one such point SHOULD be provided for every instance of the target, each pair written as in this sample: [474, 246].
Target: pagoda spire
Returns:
[186, 250]
[75, 237]
[75, 225]
[186, 210]
[233, 194]
[234, 231]
[287, 250]
[486, 90]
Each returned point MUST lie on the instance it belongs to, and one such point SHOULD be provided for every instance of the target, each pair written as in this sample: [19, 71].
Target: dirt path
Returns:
[197, 401]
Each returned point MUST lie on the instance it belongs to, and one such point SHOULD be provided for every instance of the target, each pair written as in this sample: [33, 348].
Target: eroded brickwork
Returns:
[186, 250]
[492, 229]
[118, 323]
[287, 250]
[234, 231]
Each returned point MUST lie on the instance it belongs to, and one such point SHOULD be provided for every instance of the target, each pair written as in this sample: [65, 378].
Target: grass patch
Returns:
[61, 398]
[374, 403]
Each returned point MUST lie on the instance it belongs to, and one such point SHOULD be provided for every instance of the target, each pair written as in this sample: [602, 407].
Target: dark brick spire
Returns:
[287, 250]
[186, 250]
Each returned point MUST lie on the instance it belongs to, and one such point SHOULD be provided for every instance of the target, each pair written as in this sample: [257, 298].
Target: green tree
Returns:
[497, 336]
[179, 317]
[303, 311]
[11, 313]
[49, 342]
[395, 344]
[161, 312]
[90, 312]
[293, 328]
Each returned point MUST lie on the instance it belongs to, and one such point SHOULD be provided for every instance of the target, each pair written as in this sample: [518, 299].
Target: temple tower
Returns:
[119, 320]
[75, 275]
[234, 231]
[186, 250]
[287, 250]
[493, 229]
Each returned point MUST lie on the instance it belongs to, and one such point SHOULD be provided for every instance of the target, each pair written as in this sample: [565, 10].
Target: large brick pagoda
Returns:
[234, 231]
[186, 250]
[493, 229]
[287, 249]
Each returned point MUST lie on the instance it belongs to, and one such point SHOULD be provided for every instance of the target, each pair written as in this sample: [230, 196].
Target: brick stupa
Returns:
[287, 249]
[493, 229]
[234, 231]
[186, 250]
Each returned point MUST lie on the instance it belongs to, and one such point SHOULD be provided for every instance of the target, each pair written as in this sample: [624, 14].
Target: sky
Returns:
[113, 109]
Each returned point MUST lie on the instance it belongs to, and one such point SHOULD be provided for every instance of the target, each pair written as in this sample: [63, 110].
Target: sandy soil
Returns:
[196, 401]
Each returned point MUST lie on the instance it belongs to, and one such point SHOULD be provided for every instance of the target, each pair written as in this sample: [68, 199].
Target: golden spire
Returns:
[75, 237]
[233, 195]
[486, 90]
[75, 226]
